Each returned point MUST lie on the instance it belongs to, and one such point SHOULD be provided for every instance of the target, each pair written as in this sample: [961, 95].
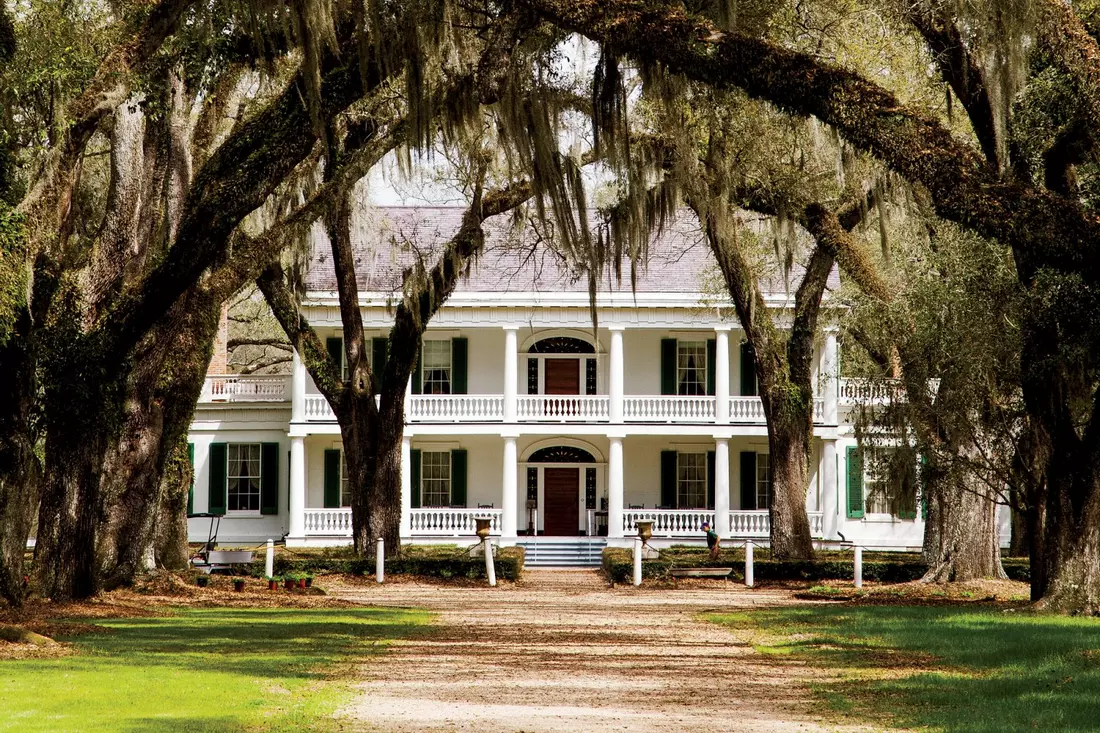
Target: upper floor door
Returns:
[561, 365]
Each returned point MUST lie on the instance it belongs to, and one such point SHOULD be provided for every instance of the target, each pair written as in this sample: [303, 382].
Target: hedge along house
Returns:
[521, 412]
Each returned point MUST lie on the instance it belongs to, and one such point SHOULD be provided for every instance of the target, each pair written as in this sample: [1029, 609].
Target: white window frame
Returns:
[230, 477]
[764, 485]
[683, 496]
[439, 346]
[875, 475]
[425, 479]
[682, 367]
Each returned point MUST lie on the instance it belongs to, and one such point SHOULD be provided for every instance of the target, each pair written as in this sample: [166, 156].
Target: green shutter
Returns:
[458, 477]
[748, 480]
[748, 370]
[269, 478]
[219, 483]
[380, 352]
[668, 479]
[668, 366]
[710, 479]
[332, 478]
[417, 375]
[712, 365]
[191, 488]
[335, 347]
[414, 458]
[855, 483]
[460, 349]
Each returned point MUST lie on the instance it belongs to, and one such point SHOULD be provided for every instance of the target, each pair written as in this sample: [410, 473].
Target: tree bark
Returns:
[962, 515]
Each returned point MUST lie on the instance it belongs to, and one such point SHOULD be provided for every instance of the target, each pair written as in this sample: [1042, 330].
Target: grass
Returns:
[228, 670]
[941, 668]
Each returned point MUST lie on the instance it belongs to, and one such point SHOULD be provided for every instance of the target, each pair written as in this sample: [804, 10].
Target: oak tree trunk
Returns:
[961, 537]
[788, 441]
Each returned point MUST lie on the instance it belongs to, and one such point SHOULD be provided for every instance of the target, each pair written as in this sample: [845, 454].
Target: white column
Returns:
[508, 499]
[830, 507]
[722, 377]
[722, 486]
[297, 389]
[616, 374]
[830, 375]
[615, 488]
[511, 372]
[297, 528]
[406, 488]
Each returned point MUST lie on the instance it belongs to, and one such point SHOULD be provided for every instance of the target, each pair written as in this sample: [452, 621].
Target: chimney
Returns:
[219, 360]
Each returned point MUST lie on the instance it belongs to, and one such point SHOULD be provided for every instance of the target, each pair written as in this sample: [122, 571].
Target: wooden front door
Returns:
[563, 376]
[561, 493]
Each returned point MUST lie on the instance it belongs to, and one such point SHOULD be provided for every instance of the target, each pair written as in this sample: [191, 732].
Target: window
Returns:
[345, 491]
[435, 478]
[244, 477]
[889, 483]
[691, 367]
[691, 483]
[437, 367]
[763, 481]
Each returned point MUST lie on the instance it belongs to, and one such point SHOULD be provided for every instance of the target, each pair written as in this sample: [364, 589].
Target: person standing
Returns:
[712, 540]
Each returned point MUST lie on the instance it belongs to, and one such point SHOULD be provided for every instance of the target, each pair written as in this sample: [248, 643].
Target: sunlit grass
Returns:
[945, 669]
[224, 670]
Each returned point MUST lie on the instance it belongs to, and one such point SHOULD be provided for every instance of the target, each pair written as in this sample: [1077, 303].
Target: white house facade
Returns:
[522, 411]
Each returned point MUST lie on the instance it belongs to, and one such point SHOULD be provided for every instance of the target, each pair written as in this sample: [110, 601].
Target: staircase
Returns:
[562, 552]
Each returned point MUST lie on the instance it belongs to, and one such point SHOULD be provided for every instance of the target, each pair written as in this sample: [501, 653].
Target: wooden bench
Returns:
[700, 572]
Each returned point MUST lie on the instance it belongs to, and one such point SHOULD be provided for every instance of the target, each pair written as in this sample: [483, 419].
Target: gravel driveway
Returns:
[562, 652]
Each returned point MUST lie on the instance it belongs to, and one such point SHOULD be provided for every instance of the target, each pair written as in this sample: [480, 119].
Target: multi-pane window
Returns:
[345, 490]
[691, 483]
[763, 481]
[436, 370]
[691, 367]
[435, 478]
[243, 473]
[889, 483]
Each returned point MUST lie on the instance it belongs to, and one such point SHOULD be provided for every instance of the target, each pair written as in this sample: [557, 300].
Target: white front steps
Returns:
[562, 552]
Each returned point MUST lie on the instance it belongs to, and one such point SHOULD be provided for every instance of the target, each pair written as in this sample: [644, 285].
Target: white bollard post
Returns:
[637, 561]
[749, 579]
[490, 564]
[269, 562]
[859, 567]
[380, 560]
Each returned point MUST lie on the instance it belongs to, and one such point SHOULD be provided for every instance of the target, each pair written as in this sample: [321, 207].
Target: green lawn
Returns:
[978, 671]
[223, 669]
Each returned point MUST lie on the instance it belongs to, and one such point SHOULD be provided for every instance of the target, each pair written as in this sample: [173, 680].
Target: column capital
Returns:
[511, 326]
[723, 328]
[723, 440]
[616, 327]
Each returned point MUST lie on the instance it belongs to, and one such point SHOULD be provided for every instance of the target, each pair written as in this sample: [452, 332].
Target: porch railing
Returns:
[563, 408]
[746, 409]
[251, 388]
[317, 408]
[758, 523]
[456, 408]
[668, 522]
[662, 408]
[445, 522]
[328, 522]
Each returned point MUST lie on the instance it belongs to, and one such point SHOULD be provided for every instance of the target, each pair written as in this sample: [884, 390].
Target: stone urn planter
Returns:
[482, 526]
[645, 529]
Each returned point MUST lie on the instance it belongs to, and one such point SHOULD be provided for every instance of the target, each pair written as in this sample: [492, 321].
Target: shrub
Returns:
[884, 567]
[440, 561]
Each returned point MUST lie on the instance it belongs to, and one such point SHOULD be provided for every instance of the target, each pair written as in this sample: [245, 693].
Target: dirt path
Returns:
[562, 652]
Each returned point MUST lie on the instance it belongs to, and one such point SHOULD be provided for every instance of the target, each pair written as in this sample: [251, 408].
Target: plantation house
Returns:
[519, 411]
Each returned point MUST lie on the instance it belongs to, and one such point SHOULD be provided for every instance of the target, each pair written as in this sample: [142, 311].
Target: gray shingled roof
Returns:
[388, 239]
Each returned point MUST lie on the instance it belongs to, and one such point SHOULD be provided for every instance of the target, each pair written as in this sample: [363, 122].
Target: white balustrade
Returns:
[746, 409]
[668, 522]
[665, 408]
[757, 523]
[448, 522]
[854, 391]
[328, 522]
[456, 408]
[563, 408]
[819, 410]
[251, 388]
[317, 408]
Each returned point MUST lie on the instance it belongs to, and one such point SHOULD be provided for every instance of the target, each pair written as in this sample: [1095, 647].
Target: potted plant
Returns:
[301, 581]
[290, 582]
[238, 585]
[202, 581]
[309, 581]
[273, 583]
